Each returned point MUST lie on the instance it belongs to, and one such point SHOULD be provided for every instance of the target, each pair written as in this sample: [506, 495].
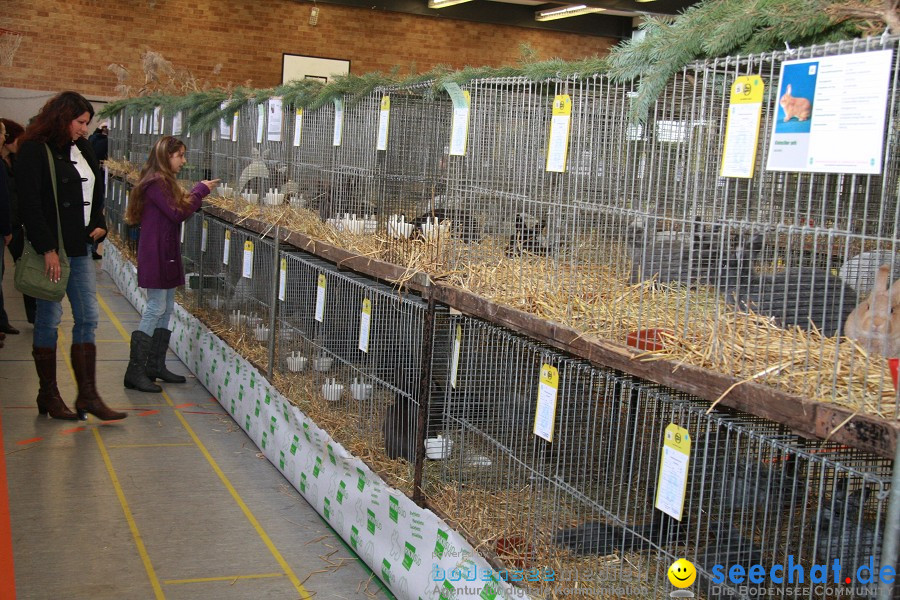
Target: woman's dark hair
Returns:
[13, 130]
[51, 125]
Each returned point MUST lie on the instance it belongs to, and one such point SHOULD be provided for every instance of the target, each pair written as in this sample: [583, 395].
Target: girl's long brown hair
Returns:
[157, 168]
[51, 125]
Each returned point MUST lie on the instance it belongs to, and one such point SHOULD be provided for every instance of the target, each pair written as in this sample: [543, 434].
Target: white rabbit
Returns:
[875, 323]
[859, 271]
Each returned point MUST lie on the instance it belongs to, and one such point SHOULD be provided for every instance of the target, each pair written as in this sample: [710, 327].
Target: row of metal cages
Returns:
[640, 233]
[575, 507]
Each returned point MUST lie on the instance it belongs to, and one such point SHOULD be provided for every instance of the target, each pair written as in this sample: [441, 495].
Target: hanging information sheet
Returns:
[830, 114]
[273, 133]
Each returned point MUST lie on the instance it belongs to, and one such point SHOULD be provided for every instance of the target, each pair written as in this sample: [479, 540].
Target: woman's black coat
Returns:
[35, 195]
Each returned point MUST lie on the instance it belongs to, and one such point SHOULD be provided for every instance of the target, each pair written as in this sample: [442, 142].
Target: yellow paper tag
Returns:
[545, 414]
[560, 122]
[742, 127]
[673, 471]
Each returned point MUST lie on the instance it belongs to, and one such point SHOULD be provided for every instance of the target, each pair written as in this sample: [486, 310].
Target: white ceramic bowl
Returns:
[332, 391]
[262, 333]
[251, 198]
[296, 363]
[361, 391]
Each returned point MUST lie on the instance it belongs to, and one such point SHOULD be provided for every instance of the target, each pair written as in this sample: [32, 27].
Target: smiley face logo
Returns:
[682, 573]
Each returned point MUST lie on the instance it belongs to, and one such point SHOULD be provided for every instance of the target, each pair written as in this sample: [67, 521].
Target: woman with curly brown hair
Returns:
[77, 198]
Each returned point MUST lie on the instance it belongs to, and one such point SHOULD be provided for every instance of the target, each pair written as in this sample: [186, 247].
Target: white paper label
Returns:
[338, 121]
[203, 234]
[157, 117]
[224, 125]
[282, 280]
[176, 123]
[298, 126]
[247, 270]
[459, 129]
[226, 247]
[260, 122]
[545, 414]
[234, 127]
[454, 366]
[365, 322]
[320, 299]
[273, 131]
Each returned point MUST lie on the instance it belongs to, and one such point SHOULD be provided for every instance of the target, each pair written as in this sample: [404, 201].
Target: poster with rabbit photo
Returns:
[830, 114]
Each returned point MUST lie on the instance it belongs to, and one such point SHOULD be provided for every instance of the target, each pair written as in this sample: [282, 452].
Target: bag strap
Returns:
[62, 246]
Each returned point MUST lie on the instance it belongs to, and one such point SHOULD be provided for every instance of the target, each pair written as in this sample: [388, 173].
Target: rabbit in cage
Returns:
[843, 531]
[603, 539]
[860, 271]
[529, 236]
[671, 256]
[727, 546]
[803, 296]
[875, 323]
[399, 428]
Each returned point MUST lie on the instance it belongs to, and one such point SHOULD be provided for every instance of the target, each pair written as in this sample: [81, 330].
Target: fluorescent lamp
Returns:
[573, 10]
[443, 3]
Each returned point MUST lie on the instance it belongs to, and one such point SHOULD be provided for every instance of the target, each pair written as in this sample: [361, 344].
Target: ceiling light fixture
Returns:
[573, 10]
[444, 3]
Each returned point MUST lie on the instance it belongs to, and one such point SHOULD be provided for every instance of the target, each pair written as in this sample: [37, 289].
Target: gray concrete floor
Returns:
[172, 502]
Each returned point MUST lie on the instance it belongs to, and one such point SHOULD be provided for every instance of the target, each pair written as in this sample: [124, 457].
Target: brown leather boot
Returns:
[48, 400]
[84, 360]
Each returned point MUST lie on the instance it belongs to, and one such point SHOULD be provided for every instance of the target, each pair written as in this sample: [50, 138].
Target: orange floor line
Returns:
[7, 571]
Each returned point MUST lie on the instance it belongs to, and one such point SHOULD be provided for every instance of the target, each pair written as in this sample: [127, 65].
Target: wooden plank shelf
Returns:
[806, 417]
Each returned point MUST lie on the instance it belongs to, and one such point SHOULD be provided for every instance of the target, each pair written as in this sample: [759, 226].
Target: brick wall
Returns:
[69, 43]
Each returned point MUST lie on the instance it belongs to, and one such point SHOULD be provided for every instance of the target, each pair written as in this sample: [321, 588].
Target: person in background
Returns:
[100, 143]
[60, 127]
[6, 234]
[159, 205]
[8, 149]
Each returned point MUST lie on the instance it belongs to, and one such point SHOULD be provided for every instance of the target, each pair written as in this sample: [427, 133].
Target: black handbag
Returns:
[31, 277]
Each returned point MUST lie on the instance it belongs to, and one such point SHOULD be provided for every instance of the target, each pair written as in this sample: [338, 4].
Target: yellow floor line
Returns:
[232, 578]
[295, 581]
[148, 445]
[145, 558]
[138, 540]
[246, 510]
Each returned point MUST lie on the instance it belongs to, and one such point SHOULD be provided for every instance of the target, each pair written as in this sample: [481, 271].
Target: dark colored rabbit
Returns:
[751, 485]
[844, 532]
[687, 259]
[799, 295]
[400, 428]
[727, 547]
[528, 237]
[604, 538]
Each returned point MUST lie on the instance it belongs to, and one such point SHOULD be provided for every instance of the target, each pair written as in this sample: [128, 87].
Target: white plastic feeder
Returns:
[331, 390]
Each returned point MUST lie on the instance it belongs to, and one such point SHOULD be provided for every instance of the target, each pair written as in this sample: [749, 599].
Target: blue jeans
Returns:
[156, 315]
[82, 292]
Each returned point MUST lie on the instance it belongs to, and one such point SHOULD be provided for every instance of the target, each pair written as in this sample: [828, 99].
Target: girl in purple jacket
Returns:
[159, 204]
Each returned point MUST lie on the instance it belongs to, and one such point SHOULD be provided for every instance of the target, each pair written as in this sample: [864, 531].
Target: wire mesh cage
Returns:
[224, 152]
[192, 234]
[118, 136]
[353, 349]
[411, 159]
[584, 504]
[214, 237]
[308, 156]
[351, 173]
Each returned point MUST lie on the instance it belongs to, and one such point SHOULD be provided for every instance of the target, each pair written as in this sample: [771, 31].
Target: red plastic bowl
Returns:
[648, 339]
[893, 364]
